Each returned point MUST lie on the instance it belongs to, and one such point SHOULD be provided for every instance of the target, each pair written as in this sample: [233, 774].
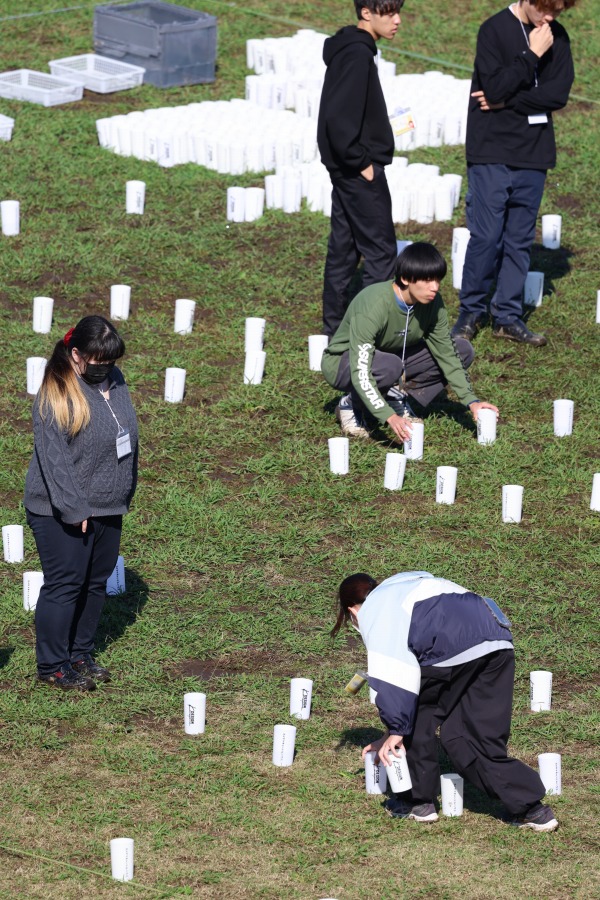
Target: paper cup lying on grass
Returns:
[452, 786]
[413, 447]
[194, 712]
[174, 385]
[12, 543]
[10, 215]
[32, 585]
[116, 581]
[550, 772]
[533, 292]
[184, 316]
[563, 417]
[397, 772]
[254, 366]
[120, 296]
[551, 229]
[339, 455]
[540, 690]
[486, 426]
[284, 740]
[595, 499]
[36, 366]
[317, 344]
[300, 697]
[135, 197]
[395, 467]
[43, 308]
[445, 485]
[375, 774]
[254, 334]
[512, 503]
[121, 859]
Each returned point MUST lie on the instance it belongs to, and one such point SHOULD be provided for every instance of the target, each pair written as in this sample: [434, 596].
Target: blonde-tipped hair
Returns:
[60, 397]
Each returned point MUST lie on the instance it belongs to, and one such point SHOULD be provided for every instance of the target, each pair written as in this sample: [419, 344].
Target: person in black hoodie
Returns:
[523, 72]
[356, 141]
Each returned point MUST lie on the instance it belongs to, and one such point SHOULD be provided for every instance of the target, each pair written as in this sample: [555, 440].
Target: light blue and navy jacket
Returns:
[413, 620]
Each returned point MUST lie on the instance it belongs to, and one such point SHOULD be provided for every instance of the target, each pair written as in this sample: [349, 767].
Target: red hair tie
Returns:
[68, 336]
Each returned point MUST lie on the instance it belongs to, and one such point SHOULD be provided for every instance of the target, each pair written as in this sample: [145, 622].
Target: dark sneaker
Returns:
[68, 679]
[518, 331]
[87, 665]
[468, 325]
[422, 812]
[398, 400]
[351, 420]
[538, 818]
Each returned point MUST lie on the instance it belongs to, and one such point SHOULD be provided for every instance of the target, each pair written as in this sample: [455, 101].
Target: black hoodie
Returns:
[354, 129]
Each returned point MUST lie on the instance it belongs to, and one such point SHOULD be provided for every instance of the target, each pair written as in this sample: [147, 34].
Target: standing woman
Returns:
[81, 480]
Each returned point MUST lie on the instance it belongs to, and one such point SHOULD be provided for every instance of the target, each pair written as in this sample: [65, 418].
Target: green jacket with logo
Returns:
[374, 321]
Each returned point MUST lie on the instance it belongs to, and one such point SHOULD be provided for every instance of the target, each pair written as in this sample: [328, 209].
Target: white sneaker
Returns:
[351, 420]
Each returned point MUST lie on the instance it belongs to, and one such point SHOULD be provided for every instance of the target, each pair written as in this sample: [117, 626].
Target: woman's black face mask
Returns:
[95, 373]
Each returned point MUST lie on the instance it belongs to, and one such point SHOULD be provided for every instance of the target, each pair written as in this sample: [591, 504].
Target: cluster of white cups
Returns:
[284, 736]
[10, 217]
[245, 204]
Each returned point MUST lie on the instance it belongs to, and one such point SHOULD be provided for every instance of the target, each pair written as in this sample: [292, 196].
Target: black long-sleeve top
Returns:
[505, 70]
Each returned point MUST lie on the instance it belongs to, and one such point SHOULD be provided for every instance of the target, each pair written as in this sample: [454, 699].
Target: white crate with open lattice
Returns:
[38, 87]
[98, 73]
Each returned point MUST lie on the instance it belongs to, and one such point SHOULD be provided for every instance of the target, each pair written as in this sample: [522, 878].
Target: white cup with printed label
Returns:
[486, 426]
[549, 765]
[36, 366]
[115, 583]
[12, 543]
[452, 786]
[254, 334]
[397, 772]
[184, 316]
[120, 296]
[300, 697]
[551, 229]
[563, 417]
[284, 741]
[595, 498]
[236, 204]
[413, 447]
[174, 384]
[121, 859]
[254, 366]
[512, 503]
[533, 292]
[395, 467]
[135, 197]
[10, 216]
[194, 712]
[317, 344]
[32, 585]
[43, 308]
[375, 774]
[445, 485]
[339, 455]
[540, 690]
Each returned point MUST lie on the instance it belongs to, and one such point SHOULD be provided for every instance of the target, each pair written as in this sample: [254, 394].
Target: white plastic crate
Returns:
[98, 73]
[38, 87]
[6, 127]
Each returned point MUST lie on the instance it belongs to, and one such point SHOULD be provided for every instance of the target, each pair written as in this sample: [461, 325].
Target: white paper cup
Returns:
[339, 455]
[36, 366]
[12, 543]
[533, 292]
[184, 316]
[486, 426]
[395, 467]
[598, 308]
[121, 859]
[254, 333]
[284, 740]
[194, 712]
[372, 696]
[540, 690]
[115, 583]
[32, 584]
[563, 417]
[254, 203]
[375, 774]
[452, 794]
[254, 366]
[413, 447]
[120, 296]
[460, 241]
[174, 385]
[595, 499]
[512, 502]
[300, 697]
[10, 214]
[236, 204]
[445, 484]
[550, 772]
[397, 772]
[42, 314]
[135, 197]
[317, 344]
[551, 229]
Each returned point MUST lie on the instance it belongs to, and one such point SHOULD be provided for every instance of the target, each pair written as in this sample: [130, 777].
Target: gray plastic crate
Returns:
[174, 44]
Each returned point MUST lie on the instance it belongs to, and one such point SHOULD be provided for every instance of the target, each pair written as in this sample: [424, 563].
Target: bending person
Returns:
[442, 656]
[395, 332]
[80, 482]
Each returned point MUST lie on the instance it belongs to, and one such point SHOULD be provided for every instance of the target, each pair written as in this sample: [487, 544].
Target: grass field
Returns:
[239, 534]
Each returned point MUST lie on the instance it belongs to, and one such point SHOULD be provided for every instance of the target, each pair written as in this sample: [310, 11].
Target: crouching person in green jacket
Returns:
[394, 344]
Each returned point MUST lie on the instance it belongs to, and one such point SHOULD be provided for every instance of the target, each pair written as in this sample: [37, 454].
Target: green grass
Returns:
[239, 535]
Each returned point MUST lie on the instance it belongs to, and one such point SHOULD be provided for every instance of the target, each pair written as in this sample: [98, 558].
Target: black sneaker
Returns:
[87, 665]
[422, 812]
[538, 818]
[519, 332]
[468, 325]
[68, 679]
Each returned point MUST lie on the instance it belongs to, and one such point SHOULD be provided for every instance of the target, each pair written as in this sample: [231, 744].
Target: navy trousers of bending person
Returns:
[472, 705]
[423, 377]
[361, 225]
[76, 567]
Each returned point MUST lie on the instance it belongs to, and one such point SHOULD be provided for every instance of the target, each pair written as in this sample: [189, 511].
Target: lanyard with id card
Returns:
[123, 441]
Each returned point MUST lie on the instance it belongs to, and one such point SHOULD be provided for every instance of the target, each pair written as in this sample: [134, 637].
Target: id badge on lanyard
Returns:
[123, 443]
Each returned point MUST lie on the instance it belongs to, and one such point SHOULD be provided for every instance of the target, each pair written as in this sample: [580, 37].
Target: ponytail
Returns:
[354, 589]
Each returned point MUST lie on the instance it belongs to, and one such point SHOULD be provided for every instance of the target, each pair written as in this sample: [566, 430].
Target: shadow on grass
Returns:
[121, 611]
[5, 655]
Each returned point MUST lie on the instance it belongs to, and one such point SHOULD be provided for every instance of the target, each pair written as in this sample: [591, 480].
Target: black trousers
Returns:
[361, 225]
[424, 378]
[76, 567]
[472, 704]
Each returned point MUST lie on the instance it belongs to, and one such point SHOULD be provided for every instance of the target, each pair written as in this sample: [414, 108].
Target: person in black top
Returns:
[523, 72]
[356, 141]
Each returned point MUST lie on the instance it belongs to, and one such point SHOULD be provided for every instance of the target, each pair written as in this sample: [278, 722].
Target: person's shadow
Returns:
[5, 655]
[121, 610]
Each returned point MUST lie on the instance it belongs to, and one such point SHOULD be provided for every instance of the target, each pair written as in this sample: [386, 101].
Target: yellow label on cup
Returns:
[356, 682]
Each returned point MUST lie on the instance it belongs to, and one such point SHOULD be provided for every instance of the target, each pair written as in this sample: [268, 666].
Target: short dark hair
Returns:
[97, 338]
[379, 7]
[420, 262]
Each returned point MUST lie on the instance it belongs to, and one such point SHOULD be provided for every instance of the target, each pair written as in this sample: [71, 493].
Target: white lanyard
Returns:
[526, 36]
[119, 426]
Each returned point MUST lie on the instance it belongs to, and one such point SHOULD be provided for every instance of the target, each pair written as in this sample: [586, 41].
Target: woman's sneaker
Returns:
[351, 420]
[421, 812]
[538, 818]
[87, 665]
[67, 679]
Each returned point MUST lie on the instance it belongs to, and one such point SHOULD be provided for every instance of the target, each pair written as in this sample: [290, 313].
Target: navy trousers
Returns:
[76, 567]
[502, 206]
[361, 224]
[472, 705]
